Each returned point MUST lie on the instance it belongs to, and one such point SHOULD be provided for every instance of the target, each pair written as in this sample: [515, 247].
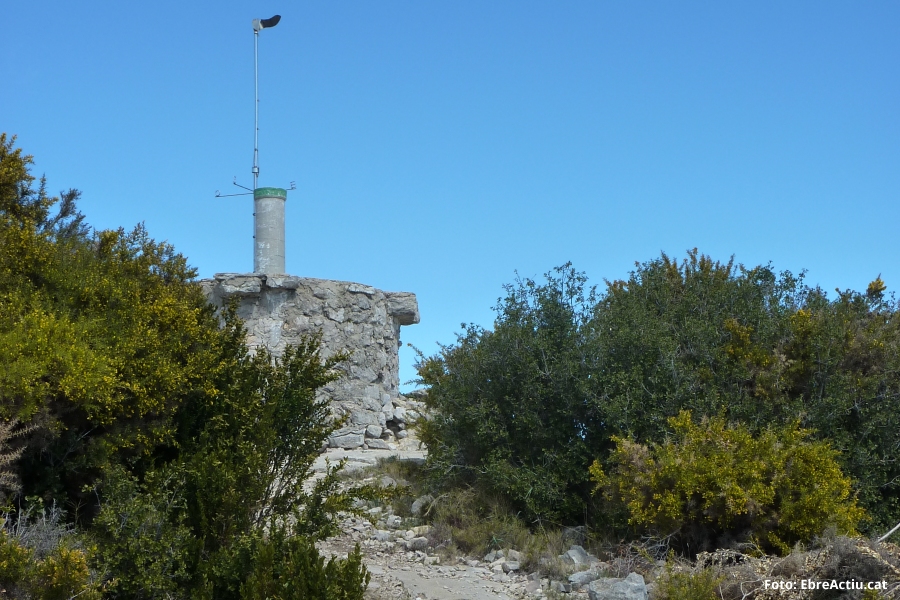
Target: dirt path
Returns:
[397, 573]
[400, 572]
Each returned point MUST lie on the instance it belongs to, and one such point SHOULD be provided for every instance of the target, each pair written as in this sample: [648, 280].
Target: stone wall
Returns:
[278, 309]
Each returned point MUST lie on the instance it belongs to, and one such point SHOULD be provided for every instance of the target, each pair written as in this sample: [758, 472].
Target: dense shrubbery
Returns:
[710, 486]
[522, 410]
[512, 409]
[680, 585]
[182, 453]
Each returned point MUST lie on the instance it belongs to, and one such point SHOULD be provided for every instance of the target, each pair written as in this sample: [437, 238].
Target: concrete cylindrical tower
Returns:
[268, 238]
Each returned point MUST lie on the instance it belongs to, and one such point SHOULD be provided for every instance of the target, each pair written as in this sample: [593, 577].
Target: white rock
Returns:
[582, 578]
[510, 565]
[612, 588]
[421, 504]
[347, 441]
[418, 543]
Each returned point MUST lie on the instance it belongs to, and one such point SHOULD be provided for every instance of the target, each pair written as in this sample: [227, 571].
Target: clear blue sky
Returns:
[438, 147]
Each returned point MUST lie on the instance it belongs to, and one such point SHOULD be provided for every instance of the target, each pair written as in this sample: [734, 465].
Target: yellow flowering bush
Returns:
[62, 574]
[710, 483]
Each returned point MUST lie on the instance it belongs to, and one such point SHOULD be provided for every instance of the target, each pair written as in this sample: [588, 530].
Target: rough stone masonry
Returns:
[278, 309]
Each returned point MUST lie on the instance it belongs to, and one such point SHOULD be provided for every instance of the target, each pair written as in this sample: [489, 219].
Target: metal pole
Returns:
[256, 107]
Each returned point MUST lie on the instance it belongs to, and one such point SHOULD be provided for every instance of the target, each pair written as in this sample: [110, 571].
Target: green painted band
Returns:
[269, 193]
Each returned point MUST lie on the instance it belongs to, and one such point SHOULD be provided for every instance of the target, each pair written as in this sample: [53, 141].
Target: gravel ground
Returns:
[400, 572]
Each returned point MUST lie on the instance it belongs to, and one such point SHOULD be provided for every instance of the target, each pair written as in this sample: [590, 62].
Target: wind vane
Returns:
[268, 202]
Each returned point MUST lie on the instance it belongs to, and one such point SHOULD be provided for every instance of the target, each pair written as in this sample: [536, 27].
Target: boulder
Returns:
[394, 522]
[613, 588]
[348, 441]
[510, 565]
[560, 587]
[364, 417]
[421, 543]
[420, 504]
[382, 536]
[582, 578]
[576, 555]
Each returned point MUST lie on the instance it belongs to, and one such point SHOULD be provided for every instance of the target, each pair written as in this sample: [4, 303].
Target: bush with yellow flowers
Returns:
[62, 573]
[711, 484]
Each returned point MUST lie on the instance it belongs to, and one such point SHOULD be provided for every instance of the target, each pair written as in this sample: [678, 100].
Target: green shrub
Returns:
[62, 574]
[198, 525]
[290, 568]
[103, 336]
[143, 542]
[688, 585]
[16, 561]
[711, 482]
[759, 348]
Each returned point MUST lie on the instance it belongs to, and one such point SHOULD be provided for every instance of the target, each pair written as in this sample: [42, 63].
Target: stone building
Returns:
[278, 309]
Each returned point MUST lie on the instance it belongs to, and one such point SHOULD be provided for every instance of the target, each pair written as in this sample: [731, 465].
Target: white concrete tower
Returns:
[268, 235]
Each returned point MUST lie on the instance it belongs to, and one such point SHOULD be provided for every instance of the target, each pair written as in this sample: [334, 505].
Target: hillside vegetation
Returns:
[145, 452]
[718, 404]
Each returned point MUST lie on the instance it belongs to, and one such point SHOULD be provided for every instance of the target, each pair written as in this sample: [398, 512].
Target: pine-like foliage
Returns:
[9, 477]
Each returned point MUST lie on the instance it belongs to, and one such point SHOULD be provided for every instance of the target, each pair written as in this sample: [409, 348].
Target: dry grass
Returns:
[38, 528]
[838, 558]
[476, 525]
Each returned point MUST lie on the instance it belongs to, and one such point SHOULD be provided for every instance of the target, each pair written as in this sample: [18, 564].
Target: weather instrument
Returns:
[268, 202]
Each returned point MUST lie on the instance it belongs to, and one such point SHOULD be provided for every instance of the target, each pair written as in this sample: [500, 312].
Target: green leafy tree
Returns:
[760, 349]
[184, 452]
[102, 337]
[519, 409]
[512, 405]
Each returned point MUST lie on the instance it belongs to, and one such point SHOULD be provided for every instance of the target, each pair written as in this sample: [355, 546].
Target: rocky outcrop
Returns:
[364, 321]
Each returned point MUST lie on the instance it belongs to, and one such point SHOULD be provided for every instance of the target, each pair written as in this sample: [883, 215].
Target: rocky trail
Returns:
[404, 565]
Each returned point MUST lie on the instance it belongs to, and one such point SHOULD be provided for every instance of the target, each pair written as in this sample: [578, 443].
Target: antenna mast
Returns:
[255, 106]
[257, 25]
